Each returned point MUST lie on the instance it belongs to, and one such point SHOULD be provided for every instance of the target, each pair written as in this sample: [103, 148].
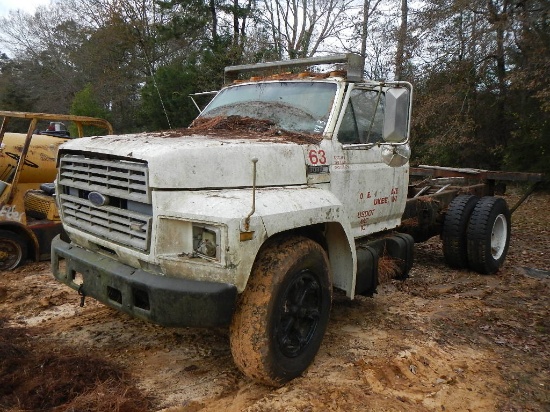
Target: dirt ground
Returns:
[442, 340]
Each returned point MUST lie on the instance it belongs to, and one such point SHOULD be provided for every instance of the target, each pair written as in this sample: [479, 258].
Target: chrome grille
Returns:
[126, 219]
[120, 178]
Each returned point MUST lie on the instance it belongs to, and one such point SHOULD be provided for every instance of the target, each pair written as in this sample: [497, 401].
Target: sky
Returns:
[27, 6]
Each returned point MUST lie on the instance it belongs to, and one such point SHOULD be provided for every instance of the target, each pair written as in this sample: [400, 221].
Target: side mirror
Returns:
[396, 115]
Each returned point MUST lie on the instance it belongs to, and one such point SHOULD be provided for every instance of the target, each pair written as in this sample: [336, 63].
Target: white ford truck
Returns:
[287, 185]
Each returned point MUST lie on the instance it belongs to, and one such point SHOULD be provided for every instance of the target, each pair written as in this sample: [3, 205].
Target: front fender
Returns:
[287, 208]
[277, 210]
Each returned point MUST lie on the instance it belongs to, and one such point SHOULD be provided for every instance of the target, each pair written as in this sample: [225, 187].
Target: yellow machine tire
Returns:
[13, 250]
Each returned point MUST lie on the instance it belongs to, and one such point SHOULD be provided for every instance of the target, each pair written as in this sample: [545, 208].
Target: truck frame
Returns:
[290, 183]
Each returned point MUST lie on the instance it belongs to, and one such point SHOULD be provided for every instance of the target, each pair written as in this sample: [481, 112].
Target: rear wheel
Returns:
[455, 226]
[282, 315]
[13, 250]
[488, 235]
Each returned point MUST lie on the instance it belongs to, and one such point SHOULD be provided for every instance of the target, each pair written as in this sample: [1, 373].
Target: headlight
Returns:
[182, 238]
[206, 241]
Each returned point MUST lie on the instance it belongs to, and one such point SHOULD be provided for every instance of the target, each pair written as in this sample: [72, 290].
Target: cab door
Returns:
[364, 175]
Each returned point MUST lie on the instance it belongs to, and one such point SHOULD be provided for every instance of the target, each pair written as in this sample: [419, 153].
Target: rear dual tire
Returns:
[455, 227]
[476, 233]
[488, 235]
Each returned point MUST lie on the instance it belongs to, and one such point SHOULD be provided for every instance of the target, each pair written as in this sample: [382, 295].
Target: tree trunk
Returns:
[401, 41]
[214, 15]
[364, 30]
[499, 20]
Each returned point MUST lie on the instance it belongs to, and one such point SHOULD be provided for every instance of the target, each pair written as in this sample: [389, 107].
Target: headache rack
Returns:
[353, 62]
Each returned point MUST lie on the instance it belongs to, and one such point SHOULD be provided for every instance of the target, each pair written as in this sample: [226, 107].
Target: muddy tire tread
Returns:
[251, 336]
[455, 227]
[479, 230]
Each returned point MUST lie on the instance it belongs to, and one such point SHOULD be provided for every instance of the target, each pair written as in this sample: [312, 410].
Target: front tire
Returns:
[282, 315]
[488, 235]
[13, 250]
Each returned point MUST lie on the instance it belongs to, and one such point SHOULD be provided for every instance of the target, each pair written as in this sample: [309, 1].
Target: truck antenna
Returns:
[247, 219]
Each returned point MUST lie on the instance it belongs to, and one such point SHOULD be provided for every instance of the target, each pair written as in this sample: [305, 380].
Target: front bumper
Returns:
[162, 300]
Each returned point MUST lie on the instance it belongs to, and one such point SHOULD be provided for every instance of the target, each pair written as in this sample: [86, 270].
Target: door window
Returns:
[363, 119]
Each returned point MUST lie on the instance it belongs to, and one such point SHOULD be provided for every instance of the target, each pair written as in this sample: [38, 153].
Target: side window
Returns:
[363, 119]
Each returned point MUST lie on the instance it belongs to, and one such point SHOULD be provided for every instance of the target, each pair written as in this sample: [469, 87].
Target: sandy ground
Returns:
[442, 340]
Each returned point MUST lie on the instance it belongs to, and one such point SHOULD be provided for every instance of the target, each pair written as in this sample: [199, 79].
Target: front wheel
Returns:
[282, 315]
[13, 250]
[488, 235]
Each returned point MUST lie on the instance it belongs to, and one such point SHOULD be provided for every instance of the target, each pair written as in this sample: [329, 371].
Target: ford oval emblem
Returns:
[97, 199]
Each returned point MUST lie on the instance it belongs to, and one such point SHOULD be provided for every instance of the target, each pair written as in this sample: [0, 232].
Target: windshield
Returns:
[292, 106]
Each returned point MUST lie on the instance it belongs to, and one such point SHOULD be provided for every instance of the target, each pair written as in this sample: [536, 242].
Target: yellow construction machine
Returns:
[29, 219]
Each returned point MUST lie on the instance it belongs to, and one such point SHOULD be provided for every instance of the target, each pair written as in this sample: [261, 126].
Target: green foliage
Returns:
[529, 147]
[165, 98]
[484, 102]
[529, 97]
[85, 104]
[444, 117]
[13, 95]
[187, 19]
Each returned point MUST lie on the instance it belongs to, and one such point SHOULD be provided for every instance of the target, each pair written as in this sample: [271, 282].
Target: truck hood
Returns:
[198, 161]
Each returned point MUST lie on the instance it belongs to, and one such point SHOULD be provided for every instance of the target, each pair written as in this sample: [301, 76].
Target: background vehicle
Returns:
[285, 186]
[28, 215]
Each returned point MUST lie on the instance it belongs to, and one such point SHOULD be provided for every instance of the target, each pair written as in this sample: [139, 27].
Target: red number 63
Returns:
[317, 157]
